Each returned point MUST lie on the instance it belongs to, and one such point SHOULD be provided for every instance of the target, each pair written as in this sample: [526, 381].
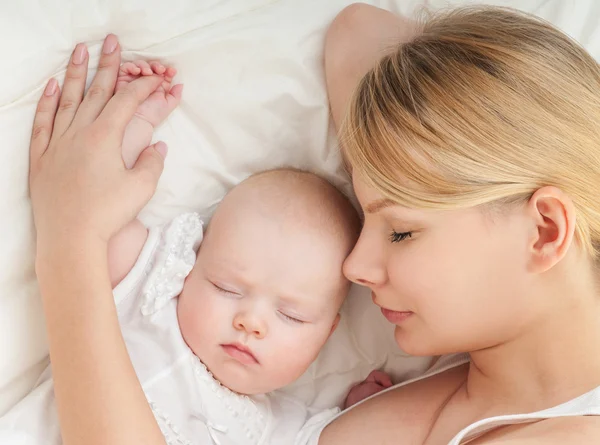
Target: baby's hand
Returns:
[152, 111]
[160, 103]
[375, 382]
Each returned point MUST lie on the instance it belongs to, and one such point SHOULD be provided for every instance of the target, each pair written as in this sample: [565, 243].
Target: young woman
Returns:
[474, 146]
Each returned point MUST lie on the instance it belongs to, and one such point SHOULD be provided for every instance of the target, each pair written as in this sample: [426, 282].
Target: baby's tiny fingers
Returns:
[383, 379]
[166, 86]
[129, 68]
[144, 67]
[174, 97]
[157, 67]
[379, 377]
[170, 73]
[176, 91]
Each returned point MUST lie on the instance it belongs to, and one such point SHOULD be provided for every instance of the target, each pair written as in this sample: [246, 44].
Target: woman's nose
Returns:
[250, 323]
[366, 265]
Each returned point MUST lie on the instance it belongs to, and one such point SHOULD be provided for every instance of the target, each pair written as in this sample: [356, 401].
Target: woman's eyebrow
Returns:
[378, 205]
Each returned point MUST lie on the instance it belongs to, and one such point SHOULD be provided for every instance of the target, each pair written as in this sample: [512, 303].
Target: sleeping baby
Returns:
[215, 320]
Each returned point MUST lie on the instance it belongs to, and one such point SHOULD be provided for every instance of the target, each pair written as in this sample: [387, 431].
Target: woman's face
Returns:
[451, 281]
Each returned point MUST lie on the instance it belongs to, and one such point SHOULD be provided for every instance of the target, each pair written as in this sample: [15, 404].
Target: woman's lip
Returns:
[241, 353]
[395, 317]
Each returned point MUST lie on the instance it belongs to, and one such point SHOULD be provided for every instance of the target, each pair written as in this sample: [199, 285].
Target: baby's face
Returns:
[261, 301]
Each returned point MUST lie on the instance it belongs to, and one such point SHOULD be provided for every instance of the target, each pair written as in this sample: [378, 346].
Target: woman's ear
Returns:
[553, 214]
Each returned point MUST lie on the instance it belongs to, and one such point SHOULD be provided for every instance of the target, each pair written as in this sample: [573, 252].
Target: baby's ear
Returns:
[335, 324]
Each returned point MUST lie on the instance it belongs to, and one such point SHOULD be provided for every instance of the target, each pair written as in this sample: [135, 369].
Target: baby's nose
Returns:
[252, 324]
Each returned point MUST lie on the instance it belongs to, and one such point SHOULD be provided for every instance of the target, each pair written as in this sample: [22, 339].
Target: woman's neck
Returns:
[552, 362]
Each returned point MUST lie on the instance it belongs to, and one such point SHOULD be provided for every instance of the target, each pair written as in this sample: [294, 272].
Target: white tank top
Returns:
[587, 404]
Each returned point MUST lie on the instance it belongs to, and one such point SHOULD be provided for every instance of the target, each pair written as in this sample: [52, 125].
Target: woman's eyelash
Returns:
[287, 317]
[396, 237]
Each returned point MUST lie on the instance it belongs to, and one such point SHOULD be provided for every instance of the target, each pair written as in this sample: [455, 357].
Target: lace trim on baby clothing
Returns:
[174, 260]
[173, 435]
[250, 417]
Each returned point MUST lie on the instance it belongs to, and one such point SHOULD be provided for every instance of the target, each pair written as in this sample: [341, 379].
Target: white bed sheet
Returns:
[254, 98]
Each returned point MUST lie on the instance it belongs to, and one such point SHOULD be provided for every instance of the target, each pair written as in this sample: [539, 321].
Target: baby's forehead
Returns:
[288, 188]
[290, 247]
[277, 198]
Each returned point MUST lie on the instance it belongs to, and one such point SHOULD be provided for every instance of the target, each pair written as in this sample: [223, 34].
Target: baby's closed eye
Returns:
[224, 290]
[293, 319]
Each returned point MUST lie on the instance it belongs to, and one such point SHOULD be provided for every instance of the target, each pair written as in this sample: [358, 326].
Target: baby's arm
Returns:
[123, 250]
[376, 382]
[125, 247]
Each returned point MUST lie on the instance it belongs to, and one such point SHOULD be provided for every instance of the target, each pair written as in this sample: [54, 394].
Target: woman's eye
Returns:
[290, 318]
[396, 237]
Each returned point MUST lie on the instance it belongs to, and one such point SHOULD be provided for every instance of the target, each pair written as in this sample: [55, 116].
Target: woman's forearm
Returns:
[99, 398]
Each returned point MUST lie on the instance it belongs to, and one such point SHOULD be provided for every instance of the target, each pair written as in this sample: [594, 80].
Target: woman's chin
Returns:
[417, 345]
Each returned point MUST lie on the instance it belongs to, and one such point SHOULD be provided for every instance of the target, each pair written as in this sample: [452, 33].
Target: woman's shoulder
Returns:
[405, 411]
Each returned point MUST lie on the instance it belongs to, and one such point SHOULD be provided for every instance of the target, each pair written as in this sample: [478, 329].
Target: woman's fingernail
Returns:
[51, 87]
[162, 148]
[79, 53]
[110, 44]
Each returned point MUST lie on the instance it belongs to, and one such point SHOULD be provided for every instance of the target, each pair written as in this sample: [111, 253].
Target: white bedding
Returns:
[254, 98]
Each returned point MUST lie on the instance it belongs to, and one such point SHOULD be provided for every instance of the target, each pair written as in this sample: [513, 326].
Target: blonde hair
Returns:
[484, 105]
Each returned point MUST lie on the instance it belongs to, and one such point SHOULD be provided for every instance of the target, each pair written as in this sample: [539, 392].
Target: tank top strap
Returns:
[587, 404]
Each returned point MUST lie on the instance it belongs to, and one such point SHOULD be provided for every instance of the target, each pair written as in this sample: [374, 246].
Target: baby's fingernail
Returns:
[50, 87]
[162, 148]
[110, 44]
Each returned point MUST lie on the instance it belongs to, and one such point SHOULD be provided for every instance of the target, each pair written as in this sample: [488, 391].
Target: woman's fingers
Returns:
[144, 176]
[103, 85]
[121, 108]
[43, 121]
[150, 164]
[72, 90]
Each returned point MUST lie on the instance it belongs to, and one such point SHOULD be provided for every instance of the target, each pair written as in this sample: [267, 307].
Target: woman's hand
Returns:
[78, 182]
[81, 195]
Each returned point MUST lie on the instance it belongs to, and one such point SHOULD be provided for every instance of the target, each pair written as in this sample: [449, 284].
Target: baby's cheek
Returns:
[185, 317]
[299, 352]
[287, 370]
[194, 319]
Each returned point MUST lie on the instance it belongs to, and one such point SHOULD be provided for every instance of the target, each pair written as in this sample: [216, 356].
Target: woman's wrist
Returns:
[74, 253]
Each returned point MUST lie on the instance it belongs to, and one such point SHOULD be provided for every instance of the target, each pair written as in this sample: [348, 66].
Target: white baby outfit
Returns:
[190, 406]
